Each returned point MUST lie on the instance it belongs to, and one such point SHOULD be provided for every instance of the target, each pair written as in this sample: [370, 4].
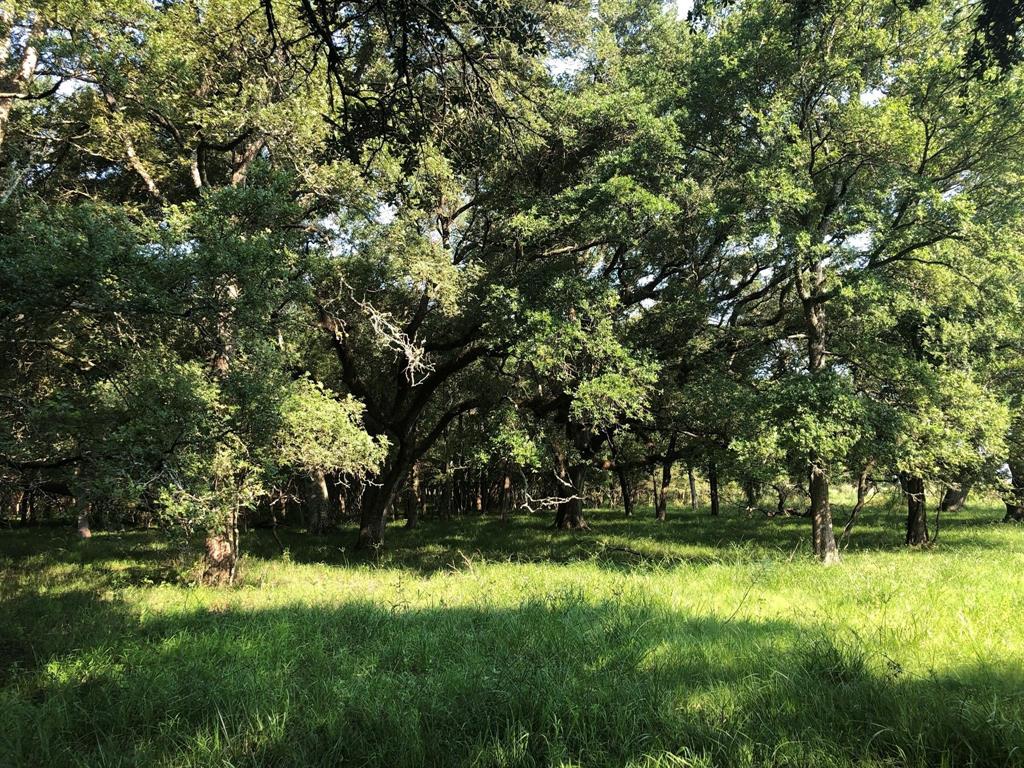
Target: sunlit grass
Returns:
[472, 642]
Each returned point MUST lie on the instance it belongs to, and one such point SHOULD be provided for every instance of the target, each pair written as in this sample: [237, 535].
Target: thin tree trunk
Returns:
[783, 492]
[863, 482]
[415, 500]
[822, 533]
[661, 511]
[1015, 502]
[627, 492]
[713, 485]
[694, 503]
[506, 496]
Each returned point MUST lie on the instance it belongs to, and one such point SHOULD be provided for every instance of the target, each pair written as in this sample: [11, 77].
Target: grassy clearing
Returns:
[696, 642]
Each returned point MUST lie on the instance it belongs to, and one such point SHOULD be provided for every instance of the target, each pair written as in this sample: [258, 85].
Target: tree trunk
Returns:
[863, 482]
[415, 498]
[713, 484]
[506, 496]
[752, 491]
[953, 499]
[666, 480]
[222, 555]
[693, 489]
[26, 508]
[917, 520]
[627, 492]
[18, 82]
[318, 502]
[822, 533]
[569, 515]
[83, 507]
[376, 504]
[1015, 502]
[783, 491]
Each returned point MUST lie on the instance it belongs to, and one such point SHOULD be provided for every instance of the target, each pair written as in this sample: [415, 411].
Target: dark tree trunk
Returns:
[752, 491]
[378, 500]
[822, 532]
[783, 491]
[917, 520]
[415, 498]
[953, 499]
[661, 512]
[693, 489]
[373, 514]
[627, 491]
[569, 515]
[1015, 502]
[713, 483]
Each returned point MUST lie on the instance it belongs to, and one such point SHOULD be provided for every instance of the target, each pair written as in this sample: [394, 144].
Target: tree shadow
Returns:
[544, 682]
[613, 541]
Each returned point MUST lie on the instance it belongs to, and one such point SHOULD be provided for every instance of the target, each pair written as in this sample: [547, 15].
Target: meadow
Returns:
[471, 642]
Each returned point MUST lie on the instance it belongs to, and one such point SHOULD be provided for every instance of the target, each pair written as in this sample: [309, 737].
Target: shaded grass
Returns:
[471, 642]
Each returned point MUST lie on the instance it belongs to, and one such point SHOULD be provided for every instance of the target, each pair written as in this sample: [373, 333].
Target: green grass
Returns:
[471, 643]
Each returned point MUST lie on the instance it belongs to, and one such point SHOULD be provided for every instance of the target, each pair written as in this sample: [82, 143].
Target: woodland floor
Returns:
[697, 642]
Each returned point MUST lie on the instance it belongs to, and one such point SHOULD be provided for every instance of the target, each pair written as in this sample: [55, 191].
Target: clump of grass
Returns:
[471, 643]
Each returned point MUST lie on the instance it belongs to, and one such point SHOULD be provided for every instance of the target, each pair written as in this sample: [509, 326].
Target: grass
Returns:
[700, 642]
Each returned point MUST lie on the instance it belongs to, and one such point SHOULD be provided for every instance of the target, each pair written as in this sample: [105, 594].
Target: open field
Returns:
[696, 642]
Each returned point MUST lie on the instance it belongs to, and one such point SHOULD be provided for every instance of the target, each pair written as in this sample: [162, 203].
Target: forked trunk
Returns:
[373, 514]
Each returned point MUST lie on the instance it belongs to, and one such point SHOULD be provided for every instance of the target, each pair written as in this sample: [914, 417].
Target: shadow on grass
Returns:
[613, 542]
[546, 682]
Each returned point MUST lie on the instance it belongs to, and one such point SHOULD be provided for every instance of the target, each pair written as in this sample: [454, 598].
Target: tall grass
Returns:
[700, 642]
